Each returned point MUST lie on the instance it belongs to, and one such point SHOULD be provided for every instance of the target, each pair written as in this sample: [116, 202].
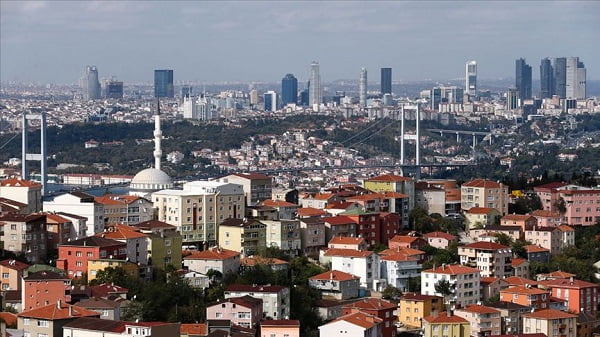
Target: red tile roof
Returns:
[519, 281]
[280, 322]
[405, 239]
[480, 210]
[252, 176]
[360, 319]
[193, 329]
[560, 274]
[335, 275]
[402, 250]
[480, 309]
[535, 249]
[346, 240]
[398, 257]
[14, 264]
[212, 254]
[517, 217]
[545, 214]
[372, 304]
[452, 269]
[121, 232]
[549, 314]
[9, 318]
[523, 290]
[53, 312]
[113, 199]
[390, 178]
[339, 220]
[485, 245]
[310, 211]
[348, 252]
[567, 283]
[254, 260]
[517, 262]
[444, 318]
[488, 280]
[442, 235]
[278, 203]
[19, 183]
[481, 183]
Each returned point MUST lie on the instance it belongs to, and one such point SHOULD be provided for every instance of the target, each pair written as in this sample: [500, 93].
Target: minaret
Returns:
[157, 136]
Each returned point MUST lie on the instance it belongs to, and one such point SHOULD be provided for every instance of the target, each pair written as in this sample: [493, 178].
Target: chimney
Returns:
[58, 304]
[70, 311]
[571, 280]
[448, 313]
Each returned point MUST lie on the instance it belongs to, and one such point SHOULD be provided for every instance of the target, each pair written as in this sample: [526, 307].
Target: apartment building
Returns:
[336, 284]
[491, 258]
[550, 238]
[393, 183]
[42, 288]
[27, 192]
[312, 232]
[581, 296]
[484, 193]
[464, 283]
[245, 311]
[446, 325]
[526, 295]
[257, 187]
[478, 217]
[218, 259]
[378, 308]
[284, 234]
[50, 319]
[438, 196]
[275, 299]
[164, 243]
[577, 205]
[82, 204]
[398, 269]
[12, 271]
[125, 209]
[364, 264]
[73, 256]
[246, 236]
[484, 321]
[356, 324]
[24, 233]
[521, 220]
[551, 322]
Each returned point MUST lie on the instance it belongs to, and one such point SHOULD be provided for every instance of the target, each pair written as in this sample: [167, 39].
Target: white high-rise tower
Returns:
[362, 88]
[471, 78]
[575, 79]
[315, 93]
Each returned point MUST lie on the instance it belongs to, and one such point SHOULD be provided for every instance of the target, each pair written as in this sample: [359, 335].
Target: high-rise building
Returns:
[523, 79]
[315, 96]
[304, 97]
[289, 89]
[90, 85]
[471, 78]
[362, 88]
[512, 99]
[560, 77]
[113, 89]
[575, 79]
[254, 97]
[186, 91]
[451, 95]
[163, 83]
[546, 79]
[386, 81]
[270, 98]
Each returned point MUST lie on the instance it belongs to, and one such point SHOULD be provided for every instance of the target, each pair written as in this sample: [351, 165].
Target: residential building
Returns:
[480, 217]
[312, 232]
[23, 233]
[440, 196]
[520, 267]
[480, 233]
[368, 225]
[218, 259]
[24, 191]
[136, 242]
[339, 226]
[346, 242]
[12, 271]
[418, 255]
[316, 200]
[73, 256]
[245, 311]
[125, 209]
[399, 269]
[523, 221]
[276, 299]
[511, 316]
[491, 286]
[412, 308]
[356, 324]
[407, 241]
[336, 284]
[257, 187]
[581, 296]
[446, 324]
[464, 283]
[49, 320]
[273, 263]
[491, 258]
[364, 264]
[164, 243]
[546, 237]
[280, 328]
[527, 296]
[12, 206]
[284, 234]
[108, 309]
[42, 288]
[393, 183]
[197, 280]
[553, 323]
[567, 235]
[82, 204]
[131, 269]
[537, 254]
[60, 230]
[95, 327]
[246, 236]
[199, 208]
[484, 321]
[286, 210]
[379, 308]
[578, 205]
[440, 240]
[547, 218]
[484, 193]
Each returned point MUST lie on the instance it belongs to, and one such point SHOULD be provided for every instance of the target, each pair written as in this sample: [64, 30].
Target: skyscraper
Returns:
[362, 88]
[186, 91]
[289, 89]
[163, 83]
[575, 79]
[386, 81]
[512, 99]
[471, 78]
[90, 85]
[114, 89]
[546, 79]
[523, 78]
[560, 76]
[270, 98]
[315, 93]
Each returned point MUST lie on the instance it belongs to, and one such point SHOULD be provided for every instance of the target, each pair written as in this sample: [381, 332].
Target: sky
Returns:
[217, 41]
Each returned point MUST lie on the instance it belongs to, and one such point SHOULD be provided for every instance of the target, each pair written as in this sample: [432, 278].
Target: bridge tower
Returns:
[41, 157]
[416, 137]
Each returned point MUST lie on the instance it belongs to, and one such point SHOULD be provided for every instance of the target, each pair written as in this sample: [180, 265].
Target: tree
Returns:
[391, 293]
[443, 288]
[503, 239]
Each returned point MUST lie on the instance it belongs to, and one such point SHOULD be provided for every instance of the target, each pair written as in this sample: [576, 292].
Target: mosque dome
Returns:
[150, 180]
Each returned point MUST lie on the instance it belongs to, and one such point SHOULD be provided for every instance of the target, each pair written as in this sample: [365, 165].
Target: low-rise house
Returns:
[553, 323]
[276, 299]
[95, 327]
[520, 267]
[484, 320]
[407, 241]
[197, 280]
[222, 260]
[107, 309]
[567, 235]
[419, 255]
[546, 237]
[412, 308]
[364, 264]
[336, 284]
[280, 328]
[356, 324]
[245, 311]
[274, 263]
[528, 296]
[511, 316]
[491, 286]
[43, 288]
[555, 275]
[376, 307]
[330, 309]
[478, 217]
[49, 320]
[537, 254]
[521, 220]
[514, 232]
[464, 283]
[347, 242]
[439, 240]
[12, 271]
[106, 290]
[491, 258]
[446, 325]
[547, 218]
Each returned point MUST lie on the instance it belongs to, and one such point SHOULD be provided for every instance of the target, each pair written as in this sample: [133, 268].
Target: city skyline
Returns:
[241, 41]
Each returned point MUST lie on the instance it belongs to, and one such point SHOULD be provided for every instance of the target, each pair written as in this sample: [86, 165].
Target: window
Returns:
[78, 254]
[43, 323]
[104, 312]
[5, 275]
[25, 321]
[218, 315]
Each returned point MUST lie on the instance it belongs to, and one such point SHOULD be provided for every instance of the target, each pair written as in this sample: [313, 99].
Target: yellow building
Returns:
[242, 235]
[94, 266]
[446, 325]
[413, 307]
[393, 183]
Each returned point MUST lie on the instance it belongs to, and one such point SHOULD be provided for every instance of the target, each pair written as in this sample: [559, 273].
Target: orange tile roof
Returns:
[372, 304]
[480, 309]
[517, 261]
[444, 318]
[310, 211]
[535, 249]
[278, 203]
[517, 217]
[212, 254]
[398, 257]
[114, 199]
[390, 178]
[481, 183]
[14, 264]
[523, 290]
[254, 260]
[480, 210]
[335, 275]
[370, 196]
[19, 183]
[567, 283]
[340, 220]
[53, 312]
[402, 250]
[485, 245]
[488, 280]
[117, 232]
[348, 252]
[252, 176]
[519, 281]
[360, 319]
[323, 196]
[560, 274]
[545, 214]
[346, 240]
[565, 228]
[452, 269]
[404, 238]
[549, 314]
[9, 318]
[442, 235]
[193, 329]
[395, 195]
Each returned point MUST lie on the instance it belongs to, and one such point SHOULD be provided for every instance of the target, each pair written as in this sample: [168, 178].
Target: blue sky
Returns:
[213, 41]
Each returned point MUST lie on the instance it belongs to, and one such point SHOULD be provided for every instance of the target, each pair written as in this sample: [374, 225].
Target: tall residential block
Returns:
[163, 83]
[289, 89]
[315, 95]
[386, 81]
[471, 78]
[575, 86]
[523, 78]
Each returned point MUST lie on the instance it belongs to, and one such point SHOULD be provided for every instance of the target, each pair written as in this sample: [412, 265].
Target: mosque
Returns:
[150, 180]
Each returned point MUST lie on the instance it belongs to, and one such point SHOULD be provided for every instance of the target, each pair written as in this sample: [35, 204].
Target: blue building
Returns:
[523, 79]
[289, 89]
[270, 98]
[386, 81]
[163, 83]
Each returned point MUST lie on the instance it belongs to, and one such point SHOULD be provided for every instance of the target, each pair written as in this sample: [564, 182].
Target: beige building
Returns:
[125, 209]
[284, 234]
[479, 217]
[484, 193]
[48, 321]
[484, 320]
[552, 322]
[438, 196]
[218, 259]
[24, 191]
[199, 208]
[242, 235]
[446, 325]
[491, 258]
[11, 272]
[257, 187]
[24, 234]
[550, 238]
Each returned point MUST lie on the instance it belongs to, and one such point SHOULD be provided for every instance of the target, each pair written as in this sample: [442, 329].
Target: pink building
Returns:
[546, 237]
[484, 320]
[245, 311]
[280, 328]
[346, 242]
[546, 218]
[577, 205]
[439, 239]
